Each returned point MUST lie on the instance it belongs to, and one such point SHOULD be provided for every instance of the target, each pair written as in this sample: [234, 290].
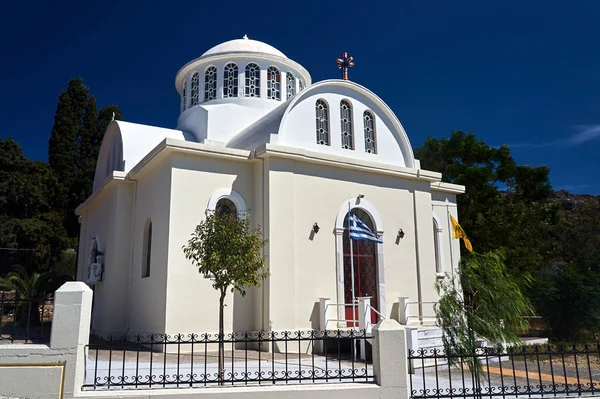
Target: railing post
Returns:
[390, 357]
[403, 311]
[71, 331]
[364, 314]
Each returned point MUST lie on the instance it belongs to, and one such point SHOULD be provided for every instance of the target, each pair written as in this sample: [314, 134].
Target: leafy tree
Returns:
[226, 247]
[34, 286]
[481, 301]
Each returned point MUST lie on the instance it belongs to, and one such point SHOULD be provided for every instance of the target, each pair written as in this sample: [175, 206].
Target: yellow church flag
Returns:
[458, 232]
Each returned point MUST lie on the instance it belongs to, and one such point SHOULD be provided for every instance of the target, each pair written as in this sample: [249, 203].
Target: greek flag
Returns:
[360, 232]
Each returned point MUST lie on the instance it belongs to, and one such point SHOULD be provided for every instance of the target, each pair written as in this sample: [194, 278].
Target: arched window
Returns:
[184, 97]
[291, 85]
[194, 93]
[147, 249]
[437, 247]
[210, 83]
[273, 83]
[300, 85]
[322, 113]
[252, 88]
[346, 120]
[369, 122]
[225, 206]
[230, 80]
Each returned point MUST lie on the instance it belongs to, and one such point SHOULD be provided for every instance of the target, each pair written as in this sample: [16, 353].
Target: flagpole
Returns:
[352, 276]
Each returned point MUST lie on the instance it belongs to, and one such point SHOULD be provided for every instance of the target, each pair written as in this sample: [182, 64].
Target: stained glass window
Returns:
[346, 122]
[184, 97]
[322, 114]
[273, 83]
[226, 207]
[369, 122]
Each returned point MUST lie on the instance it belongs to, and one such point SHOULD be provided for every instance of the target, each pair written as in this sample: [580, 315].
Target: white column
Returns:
[390, 363]
[71, 330]
[412, 344]
[403, 311]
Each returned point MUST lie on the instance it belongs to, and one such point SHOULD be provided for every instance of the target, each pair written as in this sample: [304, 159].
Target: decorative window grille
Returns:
[252, 88]
[291, 85]
[195, 88]
[184, 97]
[322, 113]
[210, 83]
[230, 80]
[346, 121]
[273, 84]
[147, 256]
[225, 206]
[369, 122]
[300, 85]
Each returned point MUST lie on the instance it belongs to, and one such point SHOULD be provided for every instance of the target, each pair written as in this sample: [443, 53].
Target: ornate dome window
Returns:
[273, 83]
[252, 88]
[369, 123]
[184, 97]
[210, 83]
[291, 85]
[230, 80]
[322, 113]
[195, 87]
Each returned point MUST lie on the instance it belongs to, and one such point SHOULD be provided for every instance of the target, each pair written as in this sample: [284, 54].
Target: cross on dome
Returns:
[344, 64]
[245, 37]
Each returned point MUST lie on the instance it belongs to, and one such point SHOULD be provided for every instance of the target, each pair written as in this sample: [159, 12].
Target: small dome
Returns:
[244, 45]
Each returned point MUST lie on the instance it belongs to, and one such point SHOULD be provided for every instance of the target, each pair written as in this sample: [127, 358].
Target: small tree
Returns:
[225, 247]
[481, 301]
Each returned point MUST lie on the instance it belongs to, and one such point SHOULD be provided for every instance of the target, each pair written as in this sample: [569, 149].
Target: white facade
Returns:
[287, 161]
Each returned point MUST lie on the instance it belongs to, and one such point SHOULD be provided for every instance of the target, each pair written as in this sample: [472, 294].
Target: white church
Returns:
[256, 136]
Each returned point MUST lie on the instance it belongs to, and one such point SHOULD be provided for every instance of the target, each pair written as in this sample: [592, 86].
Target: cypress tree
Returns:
[105, 117]
[63, 144]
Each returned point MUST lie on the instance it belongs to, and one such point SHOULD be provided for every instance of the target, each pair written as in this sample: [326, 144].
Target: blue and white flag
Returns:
[360, 232]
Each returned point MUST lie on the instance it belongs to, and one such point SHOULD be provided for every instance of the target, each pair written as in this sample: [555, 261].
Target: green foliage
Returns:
[66, 265]
[229, 250]
[569, 300]
[481, 301]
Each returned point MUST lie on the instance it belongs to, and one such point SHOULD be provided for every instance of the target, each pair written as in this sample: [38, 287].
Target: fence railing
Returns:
[536, 370]
[253, 358]
[25, 319]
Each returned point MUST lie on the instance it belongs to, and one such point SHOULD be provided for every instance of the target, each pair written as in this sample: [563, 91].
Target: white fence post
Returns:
[71, 330]
[403, 311]
[412, 344]
[390, 352]
[364, 314]
[324, 312]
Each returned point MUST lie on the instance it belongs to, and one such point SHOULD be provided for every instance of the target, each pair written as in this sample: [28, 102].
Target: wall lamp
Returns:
[316, 228]
[400, 234]
[361, 196]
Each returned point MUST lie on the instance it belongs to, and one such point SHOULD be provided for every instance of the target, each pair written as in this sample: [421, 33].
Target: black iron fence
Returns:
[25, 319]
[253, 358]
[534, 370]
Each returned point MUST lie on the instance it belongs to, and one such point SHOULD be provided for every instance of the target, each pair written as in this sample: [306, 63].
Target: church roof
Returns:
[244, 45]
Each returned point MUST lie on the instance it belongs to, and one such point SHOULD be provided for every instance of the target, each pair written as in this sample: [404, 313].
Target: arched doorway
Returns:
[364, 260]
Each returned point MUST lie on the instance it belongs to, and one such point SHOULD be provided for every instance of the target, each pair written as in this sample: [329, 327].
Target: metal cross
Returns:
[344, 63]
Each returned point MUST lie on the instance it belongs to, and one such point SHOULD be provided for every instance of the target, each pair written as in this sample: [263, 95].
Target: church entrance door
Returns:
[365, 270]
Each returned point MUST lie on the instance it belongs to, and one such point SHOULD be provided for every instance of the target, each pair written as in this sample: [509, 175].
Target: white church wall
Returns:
[304, 269]
[298, 126]
[108, 219]
[443, 209]
[152, 199]
[192, 303]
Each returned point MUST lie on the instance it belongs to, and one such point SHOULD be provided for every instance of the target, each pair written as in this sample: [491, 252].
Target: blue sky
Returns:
[524, 73]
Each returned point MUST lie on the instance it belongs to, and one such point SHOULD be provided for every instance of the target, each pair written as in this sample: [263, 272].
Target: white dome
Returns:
[244, 45]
